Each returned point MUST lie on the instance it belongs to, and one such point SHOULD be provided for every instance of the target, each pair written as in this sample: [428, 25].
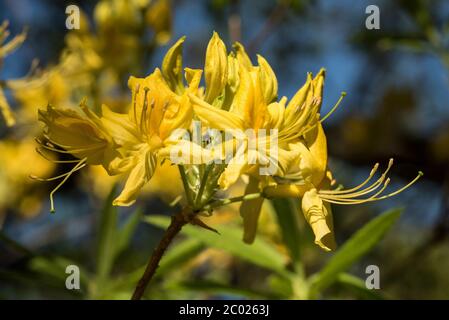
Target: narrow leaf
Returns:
[286, 214]
[175, 258]
[106, 238]
[260, 252]
[357, 285]
[125, 234]
[353, 249]
[214, 287]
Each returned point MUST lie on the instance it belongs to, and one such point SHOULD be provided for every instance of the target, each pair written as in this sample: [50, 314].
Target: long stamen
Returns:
[164, 110]
[134, 103]
[309, 121]
[348, 194]
[143, 119]
[52, 147]
[52, 206]
[81, 164]
[420, 174]
[52, 160]
[352, 190]
[51, 144]
[351, 197]
[343, 94]
[360, 193]
[56, 177]
[148, 122]
[43, 145]
[309, 118]
[340, 200]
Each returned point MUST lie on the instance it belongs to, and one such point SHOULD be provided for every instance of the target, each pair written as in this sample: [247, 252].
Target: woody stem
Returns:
[177, 222]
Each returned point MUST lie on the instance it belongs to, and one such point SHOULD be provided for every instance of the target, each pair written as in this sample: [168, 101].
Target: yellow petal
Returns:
[285, 191]
[318, 85]
[319, 218]
[235, 168]
[317, 144]
[80, 135]
[294, 106]
[242, 57]
[276, 111]
[123, 131]
[187, 152]
[172, 67]
[244, 97]
[215, 118]
[233, 72]
[232, 84]
[250, 211]
[256, 113]
[176, 115]
[193, 77]
[216, 68]
[268, 80]
[145, 164]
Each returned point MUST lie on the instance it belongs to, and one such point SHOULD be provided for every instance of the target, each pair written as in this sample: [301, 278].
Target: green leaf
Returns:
[107, 237]
[280, 286]
[125, 234]
[358, 286]
[214, 287]
[176, 256]
[287, 218]
[260, 252]
[353, 249]
[179, 254]
[55, 267]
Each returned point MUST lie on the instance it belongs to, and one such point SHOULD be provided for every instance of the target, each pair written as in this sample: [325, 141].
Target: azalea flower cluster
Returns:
[237, 96]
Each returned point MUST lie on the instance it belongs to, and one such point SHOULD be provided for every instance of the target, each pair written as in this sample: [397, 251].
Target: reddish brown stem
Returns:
[177, 222]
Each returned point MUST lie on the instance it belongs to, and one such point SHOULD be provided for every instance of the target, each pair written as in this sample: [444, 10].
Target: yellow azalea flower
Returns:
[251, 109]
[132, 143]
[315, 193]
[302, 146]
[307, 176]
[146, 131]
[254, 107]
[81, 134]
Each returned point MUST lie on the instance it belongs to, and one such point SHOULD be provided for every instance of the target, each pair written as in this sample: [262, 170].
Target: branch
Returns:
[178, 221]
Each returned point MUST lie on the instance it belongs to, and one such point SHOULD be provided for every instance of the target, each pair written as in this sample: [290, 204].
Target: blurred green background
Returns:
[397, 106]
